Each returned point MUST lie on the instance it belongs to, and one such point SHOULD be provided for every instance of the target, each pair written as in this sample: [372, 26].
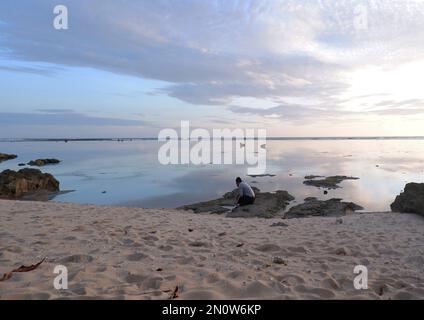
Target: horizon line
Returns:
[119, 139]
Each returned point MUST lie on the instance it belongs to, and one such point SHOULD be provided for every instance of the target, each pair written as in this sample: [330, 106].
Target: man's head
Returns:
[238, 181]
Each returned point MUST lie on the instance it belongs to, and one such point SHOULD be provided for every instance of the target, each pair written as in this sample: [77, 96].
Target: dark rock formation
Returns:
[411, 200]
[313, 177]
[5, 157]
[267, 204]
[314, 207]
[43, 162]
[328, 182]
[261, 175]
[17, 184]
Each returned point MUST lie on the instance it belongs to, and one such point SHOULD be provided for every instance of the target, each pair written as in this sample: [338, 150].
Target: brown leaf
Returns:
[22, 268]
[174, 294]
[29, 268]
[6, 276]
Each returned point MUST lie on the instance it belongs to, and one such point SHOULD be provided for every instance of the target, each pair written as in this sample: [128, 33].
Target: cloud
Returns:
[21, 69]
[211, 52]
[295, 112]
[62, 117]
[291, 112]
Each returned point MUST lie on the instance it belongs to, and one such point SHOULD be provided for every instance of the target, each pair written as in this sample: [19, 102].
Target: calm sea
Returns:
[130, 174]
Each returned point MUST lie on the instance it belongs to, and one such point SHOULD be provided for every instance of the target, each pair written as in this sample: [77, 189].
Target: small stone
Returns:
[341, 252]
[278, 260]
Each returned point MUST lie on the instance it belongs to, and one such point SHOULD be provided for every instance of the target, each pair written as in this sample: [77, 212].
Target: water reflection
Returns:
[131, 175]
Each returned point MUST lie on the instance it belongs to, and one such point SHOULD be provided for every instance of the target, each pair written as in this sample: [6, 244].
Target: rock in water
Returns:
[314, 207]
[43, 162]
[411, 200]
[15, 184]
[267, 204]
[5, 157]
[328, 182]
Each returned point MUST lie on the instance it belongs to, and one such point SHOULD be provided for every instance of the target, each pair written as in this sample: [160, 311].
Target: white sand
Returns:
[115, 253]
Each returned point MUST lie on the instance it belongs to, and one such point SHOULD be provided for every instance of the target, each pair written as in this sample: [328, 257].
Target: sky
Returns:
[127, 68]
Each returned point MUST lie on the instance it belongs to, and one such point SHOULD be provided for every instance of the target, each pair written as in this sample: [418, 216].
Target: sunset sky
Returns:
[130, 68]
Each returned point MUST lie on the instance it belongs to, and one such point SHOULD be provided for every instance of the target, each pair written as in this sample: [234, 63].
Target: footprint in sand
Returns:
[77, 258]
[136, 256]
[320, 292]
[200, 244]
[330, 283]
[166, 247]
[268, 247]
[135, 278]
[291, 279]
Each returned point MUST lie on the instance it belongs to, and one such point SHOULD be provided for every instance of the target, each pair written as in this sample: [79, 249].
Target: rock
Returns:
[313, 207]
[328, 182]
[411, 200]
[267, 204]
[22, 164]
[15, 185]
[325, 192]
[261, 175]
[310, 177]
[5, 157]
[278, 260]
[43, 162]
[341, 252]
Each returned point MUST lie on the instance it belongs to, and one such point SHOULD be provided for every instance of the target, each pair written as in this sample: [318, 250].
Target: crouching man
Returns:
[246, 194]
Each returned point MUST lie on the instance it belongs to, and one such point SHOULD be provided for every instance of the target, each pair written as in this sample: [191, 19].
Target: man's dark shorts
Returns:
[245, 200]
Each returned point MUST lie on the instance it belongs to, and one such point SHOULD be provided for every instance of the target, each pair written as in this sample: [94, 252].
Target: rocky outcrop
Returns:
[5, 157]
[411, 200]
[313, 207]
[17, 184]
[267, 205]
[43, 162]
[328, 182]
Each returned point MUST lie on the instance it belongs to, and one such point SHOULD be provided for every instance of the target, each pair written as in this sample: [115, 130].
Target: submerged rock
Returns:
[310, 177]
[17, 184]
[411, 200]
[43, 162]
[261, 175]
[328, 208]
[267, 204]
[5, 157]
[328, 182]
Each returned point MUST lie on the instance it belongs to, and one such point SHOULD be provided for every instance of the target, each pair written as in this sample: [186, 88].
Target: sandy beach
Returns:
[133, 253]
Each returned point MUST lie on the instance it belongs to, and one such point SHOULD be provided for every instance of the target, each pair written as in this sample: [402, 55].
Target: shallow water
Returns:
[131, 175]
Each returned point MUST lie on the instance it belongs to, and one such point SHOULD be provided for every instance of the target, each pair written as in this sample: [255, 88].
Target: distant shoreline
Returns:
[153, 139]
